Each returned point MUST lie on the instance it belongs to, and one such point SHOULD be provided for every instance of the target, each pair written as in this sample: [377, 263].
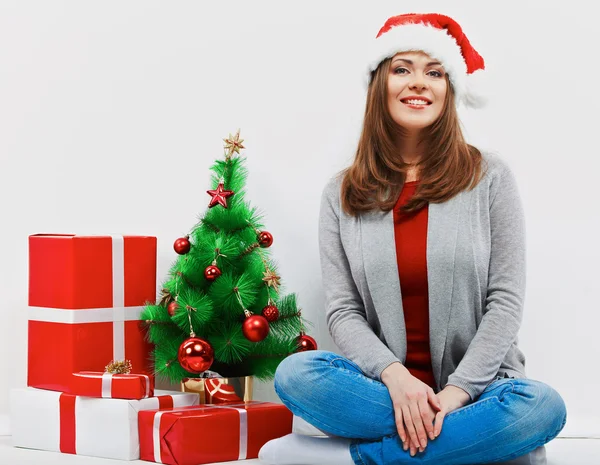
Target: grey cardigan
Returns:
[476, 281]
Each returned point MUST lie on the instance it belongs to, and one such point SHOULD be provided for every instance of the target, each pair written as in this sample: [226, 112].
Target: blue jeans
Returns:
[511, 418]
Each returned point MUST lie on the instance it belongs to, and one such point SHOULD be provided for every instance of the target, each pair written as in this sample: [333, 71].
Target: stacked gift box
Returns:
[90, 382]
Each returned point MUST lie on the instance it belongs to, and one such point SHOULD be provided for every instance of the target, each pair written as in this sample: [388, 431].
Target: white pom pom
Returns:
[476, 90]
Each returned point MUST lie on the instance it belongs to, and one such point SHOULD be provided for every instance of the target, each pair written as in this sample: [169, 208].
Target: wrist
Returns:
[463, 395]
[393, 371]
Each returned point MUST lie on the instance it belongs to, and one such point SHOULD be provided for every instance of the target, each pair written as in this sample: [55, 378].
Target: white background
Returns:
[111, 114]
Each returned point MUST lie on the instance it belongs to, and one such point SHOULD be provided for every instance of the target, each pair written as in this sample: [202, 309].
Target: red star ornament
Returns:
[219, 195]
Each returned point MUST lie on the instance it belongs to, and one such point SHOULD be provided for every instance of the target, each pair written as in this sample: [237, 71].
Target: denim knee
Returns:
[554, 405]
[296, 368]
[550, 411]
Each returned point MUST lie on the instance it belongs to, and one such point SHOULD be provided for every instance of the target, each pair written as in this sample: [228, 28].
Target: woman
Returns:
[431, 371]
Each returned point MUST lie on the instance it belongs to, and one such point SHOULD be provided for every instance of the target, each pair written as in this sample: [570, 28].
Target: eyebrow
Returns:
[431, 63]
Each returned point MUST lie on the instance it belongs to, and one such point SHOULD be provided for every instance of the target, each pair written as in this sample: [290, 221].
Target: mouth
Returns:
[416, 103]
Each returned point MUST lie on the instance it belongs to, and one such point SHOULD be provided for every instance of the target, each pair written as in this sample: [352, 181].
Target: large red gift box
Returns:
[85, 297]
[211, 433]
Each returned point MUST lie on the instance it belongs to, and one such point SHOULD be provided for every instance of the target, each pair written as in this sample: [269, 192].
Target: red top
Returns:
[410, 232]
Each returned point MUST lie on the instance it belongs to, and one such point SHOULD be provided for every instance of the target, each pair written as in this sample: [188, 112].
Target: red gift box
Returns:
[211, 433]
[85, 296]
[113, 386]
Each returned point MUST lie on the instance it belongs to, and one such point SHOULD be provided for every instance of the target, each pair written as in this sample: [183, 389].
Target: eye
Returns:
[436, 73]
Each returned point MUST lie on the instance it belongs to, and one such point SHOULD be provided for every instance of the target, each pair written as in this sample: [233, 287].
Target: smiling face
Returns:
[416, 75]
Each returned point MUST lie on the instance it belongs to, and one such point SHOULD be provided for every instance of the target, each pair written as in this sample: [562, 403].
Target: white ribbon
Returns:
[107, 385]
[243, 433]
[118, 281]
[87, 315]
[243, 413]
[147, 385]
[156, 435]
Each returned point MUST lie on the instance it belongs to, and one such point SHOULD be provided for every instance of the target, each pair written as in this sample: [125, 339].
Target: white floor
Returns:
[561, 451]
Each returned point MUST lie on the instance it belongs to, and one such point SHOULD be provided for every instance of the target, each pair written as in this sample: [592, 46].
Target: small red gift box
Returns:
[113, 386]
[217, 392]
[211, 433]
[85, 297]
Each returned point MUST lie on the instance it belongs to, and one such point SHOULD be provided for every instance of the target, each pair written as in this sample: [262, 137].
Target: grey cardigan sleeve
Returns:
[503, 310]
[344, 307]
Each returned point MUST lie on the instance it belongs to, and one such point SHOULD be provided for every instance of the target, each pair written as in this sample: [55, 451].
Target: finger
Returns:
[439, 422]
[412, 447]
[402, 432]
[418, 421]
[434, 400]
[400, 423]
[426, 416]
[408, 422]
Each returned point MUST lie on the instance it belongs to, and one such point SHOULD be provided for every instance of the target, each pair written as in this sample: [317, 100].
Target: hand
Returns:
[412, 400]
[414, 447]
[451, 398]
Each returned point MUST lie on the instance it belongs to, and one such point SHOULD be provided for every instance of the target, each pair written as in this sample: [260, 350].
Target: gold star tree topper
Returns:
[233, 144]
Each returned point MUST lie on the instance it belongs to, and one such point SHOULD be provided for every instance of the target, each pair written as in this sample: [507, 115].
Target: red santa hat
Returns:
[441, 38]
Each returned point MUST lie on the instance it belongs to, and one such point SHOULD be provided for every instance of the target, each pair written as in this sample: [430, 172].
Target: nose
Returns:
[418, 85]
[418, 82]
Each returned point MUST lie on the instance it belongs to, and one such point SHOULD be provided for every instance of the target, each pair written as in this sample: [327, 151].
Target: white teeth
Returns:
[417, 102]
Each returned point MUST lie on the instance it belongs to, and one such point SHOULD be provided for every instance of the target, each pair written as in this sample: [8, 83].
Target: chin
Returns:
[414, 125]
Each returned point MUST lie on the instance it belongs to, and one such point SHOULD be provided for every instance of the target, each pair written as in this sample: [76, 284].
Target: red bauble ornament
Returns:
[219, 196]
[212, 272]
[306, 343]
[182, 245]
[172, 308]
[271, 313]
[195, 355]
[265, 239]
[255, 328]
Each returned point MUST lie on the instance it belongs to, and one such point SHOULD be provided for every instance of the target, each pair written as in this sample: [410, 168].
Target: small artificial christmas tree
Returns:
[220, 306]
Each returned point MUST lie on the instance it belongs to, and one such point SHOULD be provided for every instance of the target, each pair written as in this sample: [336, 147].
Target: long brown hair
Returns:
[377, 174]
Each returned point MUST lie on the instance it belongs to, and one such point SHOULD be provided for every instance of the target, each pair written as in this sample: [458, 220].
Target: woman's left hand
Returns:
[451, 398]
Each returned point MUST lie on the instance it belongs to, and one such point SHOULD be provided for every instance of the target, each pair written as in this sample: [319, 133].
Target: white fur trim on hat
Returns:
[438, 44]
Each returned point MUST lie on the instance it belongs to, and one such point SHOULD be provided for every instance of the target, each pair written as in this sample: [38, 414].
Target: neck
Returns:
[410, 148]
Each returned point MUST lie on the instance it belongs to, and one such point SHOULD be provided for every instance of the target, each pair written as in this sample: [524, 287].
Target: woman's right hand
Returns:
[411, 399]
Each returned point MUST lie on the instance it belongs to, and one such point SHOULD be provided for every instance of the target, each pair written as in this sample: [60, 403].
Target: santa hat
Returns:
[441, 38]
